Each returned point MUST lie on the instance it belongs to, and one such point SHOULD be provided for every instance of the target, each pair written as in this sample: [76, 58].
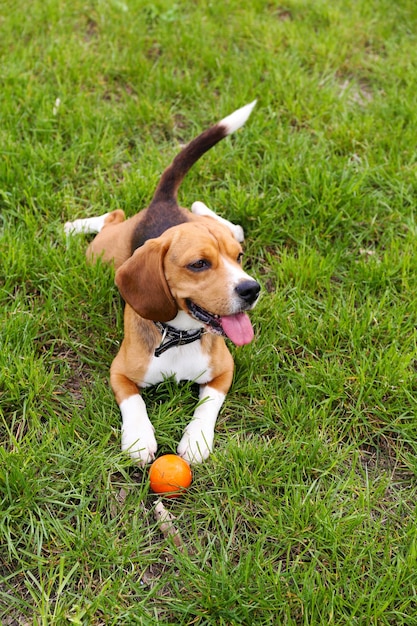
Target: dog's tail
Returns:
[174, 174]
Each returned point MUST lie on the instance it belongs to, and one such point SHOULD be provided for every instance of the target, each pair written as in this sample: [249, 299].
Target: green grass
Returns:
[306, 511]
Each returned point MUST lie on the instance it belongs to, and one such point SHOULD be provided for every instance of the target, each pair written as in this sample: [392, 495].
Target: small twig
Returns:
[165, 520]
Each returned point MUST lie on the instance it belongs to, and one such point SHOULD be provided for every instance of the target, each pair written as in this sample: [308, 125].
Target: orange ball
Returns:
[170, 475]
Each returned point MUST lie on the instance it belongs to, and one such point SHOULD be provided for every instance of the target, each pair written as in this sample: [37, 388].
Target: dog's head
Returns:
[194, 267]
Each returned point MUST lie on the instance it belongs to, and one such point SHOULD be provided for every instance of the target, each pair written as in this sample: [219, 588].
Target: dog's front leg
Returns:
[197, 441]
[138, 438]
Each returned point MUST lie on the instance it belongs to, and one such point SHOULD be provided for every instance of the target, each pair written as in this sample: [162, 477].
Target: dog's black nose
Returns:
[248, 290]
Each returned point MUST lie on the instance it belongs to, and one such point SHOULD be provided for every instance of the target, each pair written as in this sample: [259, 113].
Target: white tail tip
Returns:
[236, 119]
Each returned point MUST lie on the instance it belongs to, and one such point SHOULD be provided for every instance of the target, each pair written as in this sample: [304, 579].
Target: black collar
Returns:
[173, 337]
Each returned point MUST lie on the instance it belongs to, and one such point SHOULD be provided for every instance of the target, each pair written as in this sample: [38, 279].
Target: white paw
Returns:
[199, 208]
[70, 228]
[196, 443]
[141, 445]
[237, 232]
[87, 225]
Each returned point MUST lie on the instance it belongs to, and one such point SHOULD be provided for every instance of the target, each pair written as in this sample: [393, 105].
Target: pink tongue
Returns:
[238, 328]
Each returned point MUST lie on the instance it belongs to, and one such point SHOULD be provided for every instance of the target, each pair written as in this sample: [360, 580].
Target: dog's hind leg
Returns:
[199, 208]
[94, 225]
[112, 241]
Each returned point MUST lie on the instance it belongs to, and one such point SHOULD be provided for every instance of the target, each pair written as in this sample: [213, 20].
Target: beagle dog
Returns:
[180, 275]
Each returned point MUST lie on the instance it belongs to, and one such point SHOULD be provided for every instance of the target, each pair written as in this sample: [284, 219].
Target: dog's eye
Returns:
[239, 257]
[199, 266]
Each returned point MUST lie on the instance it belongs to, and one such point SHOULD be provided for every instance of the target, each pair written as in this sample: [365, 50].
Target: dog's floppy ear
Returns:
[142, 284]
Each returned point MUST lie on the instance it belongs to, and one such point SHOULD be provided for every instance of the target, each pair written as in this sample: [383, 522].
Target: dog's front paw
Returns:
[196, 443]
[141, 445]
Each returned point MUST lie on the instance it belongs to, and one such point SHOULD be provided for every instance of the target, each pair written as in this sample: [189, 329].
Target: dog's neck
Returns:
[180, 331]
[183, 321]
[172, 337]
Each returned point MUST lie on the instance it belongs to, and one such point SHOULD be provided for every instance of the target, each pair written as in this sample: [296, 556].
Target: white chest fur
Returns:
[187, 362]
